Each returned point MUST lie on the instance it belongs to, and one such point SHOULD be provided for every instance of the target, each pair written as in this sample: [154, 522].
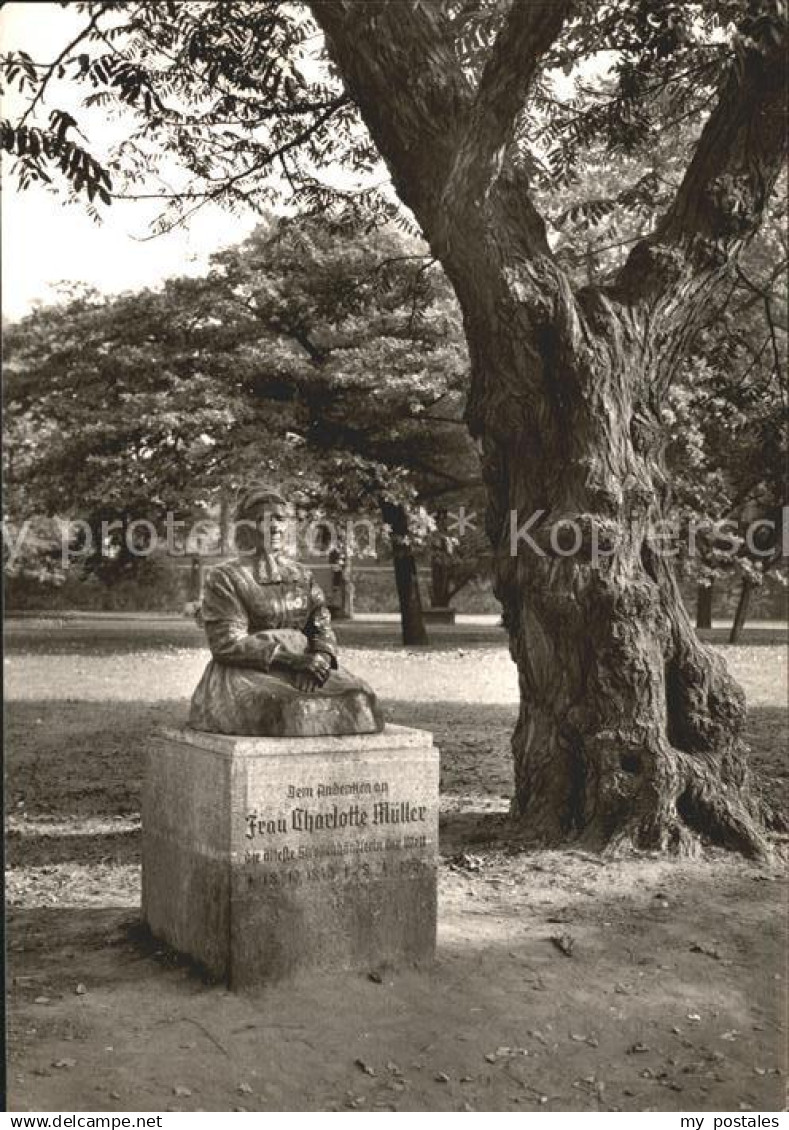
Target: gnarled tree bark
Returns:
[630, 730]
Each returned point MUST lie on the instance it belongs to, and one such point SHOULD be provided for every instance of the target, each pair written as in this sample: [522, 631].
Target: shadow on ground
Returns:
[90, 637]
[671, 998]
[52, 636]
[83, 761]
[96, 637]
[667, 1003]
[77, 759]
[754, 635]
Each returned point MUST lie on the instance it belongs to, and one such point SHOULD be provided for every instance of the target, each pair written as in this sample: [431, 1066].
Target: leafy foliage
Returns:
[244, 98]
[727, 415]
[330, 365]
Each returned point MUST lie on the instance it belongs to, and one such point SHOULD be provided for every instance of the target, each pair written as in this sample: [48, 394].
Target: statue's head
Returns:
[261, 519]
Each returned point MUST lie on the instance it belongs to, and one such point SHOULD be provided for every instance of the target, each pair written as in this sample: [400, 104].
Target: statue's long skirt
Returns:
[240, 700]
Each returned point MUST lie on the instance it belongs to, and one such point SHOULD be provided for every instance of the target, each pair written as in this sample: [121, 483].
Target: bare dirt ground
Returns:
[672, 997]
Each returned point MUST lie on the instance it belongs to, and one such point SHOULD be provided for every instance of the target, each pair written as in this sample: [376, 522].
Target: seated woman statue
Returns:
[274, 669]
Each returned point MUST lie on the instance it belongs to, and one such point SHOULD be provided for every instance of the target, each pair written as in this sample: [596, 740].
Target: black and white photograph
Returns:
[395, 546]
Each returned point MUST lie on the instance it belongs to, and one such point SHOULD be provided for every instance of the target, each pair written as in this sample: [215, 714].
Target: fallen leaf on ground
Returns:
[465, 862]
[565, 943]
[708, 951]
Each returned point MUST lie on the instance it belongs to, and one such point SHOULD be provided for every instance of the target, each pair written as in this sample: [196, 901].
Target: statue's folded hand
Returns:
[310, 670]
[305, 682]
[320, 666]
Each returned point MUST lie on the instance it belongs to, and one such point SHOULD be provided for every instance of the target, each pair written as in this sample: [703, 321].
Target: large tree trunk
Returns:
[704, 600]
[406, 578]
[629, 728]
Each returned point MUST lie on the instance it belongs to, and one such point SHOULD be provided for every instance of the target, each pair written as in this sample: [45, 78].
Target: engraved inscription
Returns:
[337, 831]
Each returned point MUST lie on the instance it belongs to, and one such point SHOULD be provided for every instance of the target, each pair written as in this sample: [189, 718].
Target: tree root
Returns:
[719, 812]
[676, 804]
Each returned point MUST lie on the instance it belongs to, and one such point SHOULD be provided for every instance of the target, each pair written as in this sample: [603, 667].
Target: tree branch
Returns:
[62, 57]
[738, 157]
[317, 356]
[721, 200]
[761, 293]
[440, 492]
[528, 31]
[779, 368]
[398, 63]
[225, 183]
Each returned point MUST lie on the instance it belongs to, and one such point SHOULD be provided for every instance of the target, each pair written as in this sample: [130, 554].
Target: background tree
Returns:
[369, 344]
[129, 423]
[629, 732]
[328, 362]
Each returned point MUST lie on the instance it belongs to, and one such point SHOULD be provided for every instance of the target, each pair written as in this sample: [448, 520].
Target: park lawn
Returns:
[672, 998]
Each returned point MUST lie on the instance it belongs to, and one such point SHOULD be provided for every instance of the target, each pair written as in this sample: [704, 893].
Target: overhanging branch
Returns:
[721, 200]
[528, 31]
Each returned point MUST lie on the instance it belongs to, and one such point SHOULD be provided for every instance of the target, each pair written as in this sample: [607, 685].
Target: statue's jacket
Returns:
[251, 607]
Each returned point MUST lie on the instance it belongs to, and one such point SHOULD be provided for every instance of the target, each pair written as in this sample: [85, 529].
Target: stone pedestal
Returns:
[266, 856]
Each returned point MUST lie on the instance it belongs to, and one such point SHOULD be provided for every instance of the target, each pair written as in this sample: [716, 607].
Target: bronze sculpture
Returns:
[274, 668]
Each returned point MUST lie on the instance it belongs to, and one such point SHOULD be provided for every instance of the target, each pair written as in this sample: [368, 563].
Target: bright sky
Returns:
[45, 241]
